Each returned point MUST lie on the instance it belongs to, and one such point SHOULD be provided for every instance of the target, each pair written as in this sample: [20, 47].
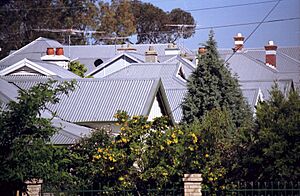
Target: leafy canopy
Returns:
[26, 153]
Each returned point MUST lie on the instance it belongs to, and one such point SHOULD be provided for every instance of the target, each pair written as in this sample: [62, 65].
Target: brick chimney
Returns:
[201, 50]
[151, 55]
[238, 42]
[271, 53]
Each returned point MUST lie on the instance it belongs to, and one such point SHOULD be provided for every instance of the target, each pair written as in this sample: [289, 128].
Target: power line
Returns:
[196, 29]
[234, 52]
[254, 30]
[229, 6]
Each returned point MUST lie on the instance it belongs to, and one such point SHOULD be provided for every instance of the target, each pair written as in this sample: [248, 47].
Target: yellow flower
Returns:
[173, 135]
[117, 124]
[165, 173]
[161, 147]
[175, 140]
[124, 140]
[111, 168]
[99, 150]
[210, 179]
[191, 148]
[121, 178]
[123, 120]
[195, 139]
[123, 128]
[169, 142]
[206, 155]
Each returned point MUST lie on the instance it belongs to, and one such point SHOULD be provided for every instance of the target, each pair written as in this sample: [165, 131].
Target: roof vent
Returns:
[98, 62]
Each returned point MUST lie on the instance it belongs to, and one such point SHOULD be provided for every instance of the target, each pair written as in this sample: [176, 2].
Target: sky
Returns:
[283, 33]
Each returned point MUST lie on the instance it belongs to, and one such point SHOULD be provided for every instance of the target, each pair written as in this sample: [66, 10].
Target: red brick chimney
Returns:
[238, 42]
[201, 50]
[271, 53]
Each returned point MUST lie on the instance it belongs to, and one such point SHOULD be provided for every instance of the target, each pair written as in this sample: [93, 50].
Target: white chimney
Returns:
[172, 49]
[56, 57]
[151, 55]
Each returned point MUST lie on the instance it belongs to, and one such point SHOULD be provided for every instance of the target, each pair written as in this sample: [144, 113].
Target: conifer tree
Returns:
[212, 85]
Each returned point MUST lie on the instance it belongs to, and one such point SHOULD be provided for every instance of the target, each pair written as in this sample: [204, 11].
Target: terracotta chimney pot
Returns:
[59, 51]
[50, 51]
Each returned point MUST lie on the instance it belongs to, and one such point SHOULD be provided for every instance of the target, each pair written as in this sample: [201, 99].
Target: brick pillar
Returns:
[192, 184]
[34, 187]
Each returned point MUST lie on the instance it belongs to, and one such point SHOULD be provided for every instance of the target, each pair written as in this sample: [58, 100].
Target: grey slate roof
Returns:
[35, 50]
[97, 100]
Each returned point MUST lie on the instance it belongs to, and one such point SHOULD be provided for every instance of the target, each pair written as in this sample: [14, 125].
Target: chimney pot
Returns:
[50, 51]
[59, 51]
[271, 53]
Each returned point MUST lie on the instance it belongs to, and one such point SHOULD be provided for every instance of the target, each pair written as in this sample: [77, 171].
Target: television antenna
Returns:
[114, 38]
[181, 28]
[70, 32]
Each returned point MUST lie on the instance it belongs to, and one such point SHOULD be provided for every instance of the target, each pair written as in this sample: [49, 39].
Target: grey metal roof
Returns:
[266, 85]
[251, 96]
[68, 133]
[35, 50]
[166, 71]
[175, 98]
[61, 72]
[8, 92]
[87, 54]
[98, 100]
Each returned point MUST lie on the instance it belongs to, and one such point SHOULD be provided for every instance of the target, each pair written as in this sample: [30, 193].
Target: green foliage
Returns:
[275, 153]
[151, 23]
[151, 153]
[19, 19]
[212, 85]
[26, 153]
[77, 68]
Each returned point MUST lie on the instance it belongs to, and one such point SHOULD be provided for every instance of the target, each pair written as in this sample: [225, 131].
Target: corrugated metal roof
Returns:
[166, 71]
[251, 96]
[8, 92]
[35, 50]
[68, 133]
[175, 98]
[61, 72]
[98, 100]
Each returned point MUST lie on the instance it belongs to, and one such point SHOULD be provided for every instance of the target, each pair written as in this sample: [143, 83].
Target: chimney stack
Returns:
[238, 42]
[151, 55]
[56, 57]
[271, 53]
[201, 50]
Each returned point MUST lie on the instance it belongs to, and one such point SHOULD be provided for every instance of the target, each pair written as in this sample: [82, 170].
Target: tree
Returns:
[116, 19]
[211, 85]
[26, 153]
[20, 21]
[77, 68]
[151, 23]
[275, 153]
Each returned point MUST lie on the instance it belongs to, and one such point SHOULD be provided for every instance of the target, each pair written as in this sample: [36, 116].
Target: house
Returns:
[168, 64]
[94, 102]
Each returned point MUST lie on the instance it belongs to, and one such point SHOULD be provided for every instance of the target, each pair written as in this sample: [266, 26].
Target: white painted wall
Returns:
[117, 65]
[155, 110]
